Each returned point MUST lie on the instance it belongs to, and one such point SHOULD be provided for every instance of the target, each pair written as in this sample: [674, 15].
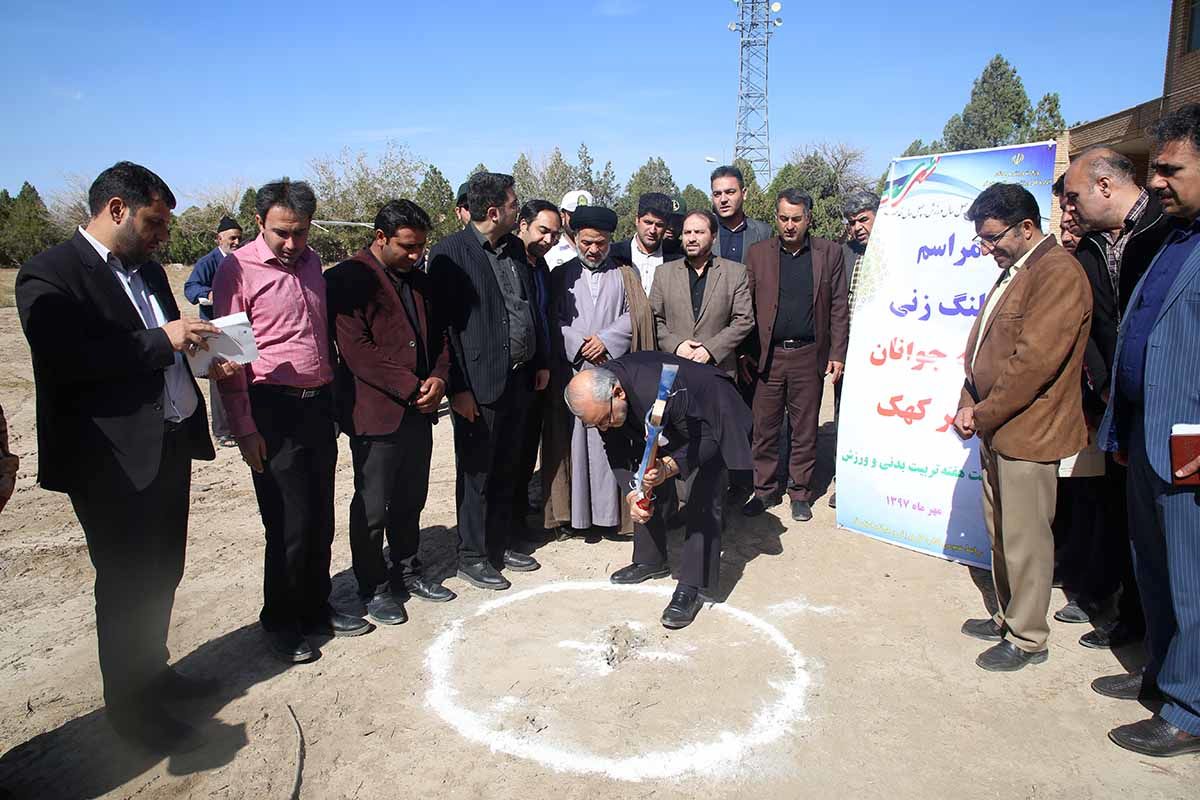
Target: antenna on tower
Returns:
[752, 141]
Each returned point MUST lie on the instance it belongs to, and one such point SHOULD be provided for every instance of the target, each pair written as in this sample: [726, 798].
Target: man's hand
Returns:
[1189, 469]
[220, 369]
[964, 422]
[686, 348]
[463, 404]
[541, 378]
[700, 354]
[835, 368]
[254, 450]
[638, 514]
[187, 334]
[592, 348]
[745, 370]
[430, 396]
[661, 472]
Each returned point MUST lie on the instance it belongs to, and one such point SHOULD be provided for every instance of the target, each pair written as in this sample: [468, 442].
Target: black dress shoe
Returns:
[801, 510]
[833, 500]
[153, 729]
[758, 504]
[428, 590]
[1072, 612]
[334, 623]
[290, 645]
[1127, 686]
[519, 562]
[683, 608]
[636, 573]
[1007, 657]
[1155, 737]
[1110, 636]
[483, 575]
[386, 609]
[170, 685]
[985, 629]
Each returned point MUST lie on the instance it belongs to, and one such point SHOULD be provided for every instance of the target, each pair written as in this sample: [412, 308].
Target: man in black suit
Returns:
[484, 286]
[648, 248]
[707, 430]
[119, 420]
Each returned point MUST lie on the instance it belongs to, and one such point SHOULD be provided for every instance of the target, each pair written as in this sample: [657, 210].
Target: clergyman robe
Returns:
[592, 302]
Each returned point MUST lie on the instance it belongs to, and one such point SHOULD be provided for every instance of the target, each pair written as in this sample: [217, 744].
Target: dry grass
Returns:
[8, 279]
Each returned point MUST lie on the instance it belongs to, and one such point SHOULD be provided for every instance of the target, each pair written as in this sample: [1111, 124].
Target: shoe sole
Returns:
[801, 519]
[1037, 658]
[981, 637]
[291, 658]
[1071, 620]
[1083, 640]
[674, 626]
[495, 587]
[445, 599]
[1148, 752]
[662, 573]
[379, 621]
[533, 568]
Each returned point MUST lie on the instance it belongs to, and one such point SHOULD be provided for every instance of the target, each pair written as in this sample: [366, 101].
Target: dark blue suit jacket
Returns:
[200, 282]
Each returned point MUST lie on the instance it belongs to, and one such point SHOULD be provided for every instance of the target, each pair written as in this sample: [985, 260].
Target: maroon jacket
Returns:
[377, 381]
[831, 320]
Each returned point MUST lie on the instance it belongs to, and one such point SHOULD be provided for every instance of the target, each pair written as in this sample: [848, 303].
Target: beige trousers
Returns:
[1018, 507]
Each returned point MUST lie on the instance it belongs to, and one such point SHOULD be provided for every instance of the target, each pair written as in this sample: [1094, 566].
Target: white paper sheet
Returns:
[235, 343]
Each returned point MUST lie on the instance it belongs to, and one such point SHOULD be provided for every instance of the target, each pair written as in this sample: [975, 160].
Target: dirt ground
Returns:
[835, 668]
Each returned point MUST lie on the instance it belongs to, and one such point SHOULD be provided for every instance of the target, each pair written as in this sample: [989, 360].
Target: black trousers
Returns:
[216, 410]
[391, 483]
[485, 451]
[700, 561]
[531, 440]
[295, 498]
[137, 542]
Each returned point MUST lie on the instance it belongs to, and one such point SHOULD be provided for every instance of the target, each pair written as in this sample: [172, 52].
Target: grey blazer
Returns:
[726, 312]
[755, 232]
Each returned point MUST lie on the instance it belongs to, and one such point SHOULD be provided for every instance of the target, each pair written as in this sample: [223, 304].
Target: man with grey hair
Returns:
[707, 432]
[1123, 227]
[859, 208]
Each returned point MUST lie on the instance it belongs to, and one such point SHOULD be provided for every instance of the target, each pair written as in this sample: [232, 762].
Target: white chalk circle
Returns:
[716, 756]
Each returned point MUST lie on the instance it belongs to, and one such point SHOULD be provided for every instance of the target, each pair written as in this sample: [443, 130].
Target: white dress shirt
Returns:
[645, 263]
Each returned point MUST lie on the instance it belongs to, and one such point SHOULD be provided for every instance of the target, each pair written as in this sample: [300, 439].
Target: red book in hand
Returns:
[1185, 448]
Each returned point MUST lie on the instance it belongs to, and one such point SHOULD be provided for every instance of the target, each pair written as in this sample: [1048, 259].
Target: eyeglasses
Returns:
[993, 240]
[609, 418]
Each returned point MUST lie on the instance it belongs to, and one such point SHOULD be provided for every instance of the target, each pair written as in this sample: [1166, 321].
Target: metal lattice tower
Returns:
[752, 141]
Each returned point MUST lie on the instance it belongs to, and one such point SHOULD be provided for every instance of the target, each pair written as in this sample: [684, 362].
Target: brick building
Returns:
[1125, 131]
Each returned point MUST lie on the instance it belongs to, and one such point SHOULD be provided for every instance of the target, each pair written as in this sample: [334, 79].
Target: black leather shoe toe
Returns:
[1113, 636]
[385, 609]
[1007, 657]
[335, 623]
[519, 562]
[682, 610]
[290, 646]
[1073, 613]
[801, 510]
[985, 629]
[758, 504]
[636, 573]
[1155, 737]
[483, 575]
[428, 590]
[1126, 686]
[833, 500]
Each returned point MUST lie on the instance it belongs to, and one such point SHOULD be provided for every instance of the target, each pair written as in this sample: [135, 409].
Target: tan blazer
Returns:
[1024, 383]
[726, 312]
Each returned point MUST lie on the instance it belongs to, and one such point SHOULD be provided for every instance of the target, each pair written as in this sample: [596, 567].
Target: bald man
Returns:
[1122, 226]
[707, 431]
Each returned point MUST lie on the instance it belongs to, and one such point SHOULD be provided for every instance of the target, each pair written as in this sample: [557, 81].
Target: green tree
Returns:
[757, 204]
[696, 199]
[653, 176]
[27, 229]
[527, 182]
[436, 196]
[480, 167]
[606, 190]
[558, 178]
[827, 172]
[584, 171]
[193, 233]
[999, 112]
[246, 213]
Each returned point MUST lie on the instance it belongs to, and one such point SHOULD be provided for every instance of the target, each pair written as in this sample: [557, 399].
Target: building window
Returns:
[1194, 26]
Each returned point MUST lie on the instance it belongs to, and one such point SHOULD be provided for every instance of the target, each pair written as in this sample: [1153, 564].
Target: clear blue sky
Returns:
[207, 92]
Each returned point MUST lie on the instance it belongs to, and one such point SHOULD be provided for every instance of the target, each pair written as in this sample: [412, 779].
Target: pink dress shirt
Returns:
[287, 311]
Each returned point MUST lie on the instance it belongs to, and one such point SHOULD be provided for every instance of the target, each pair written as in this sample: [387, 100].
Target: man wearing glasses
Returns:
[1021, 396]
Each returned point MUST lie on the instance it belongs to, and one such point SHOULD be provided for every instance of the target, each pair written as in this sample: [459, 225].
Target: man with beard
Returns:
[538, 227]
[706, 427]
[281, 409]
[598, 310]
[648, 247]
[486, 294]
[393, 365]
[736, 231]
[566, 249]
[119, 421]
[198, 290]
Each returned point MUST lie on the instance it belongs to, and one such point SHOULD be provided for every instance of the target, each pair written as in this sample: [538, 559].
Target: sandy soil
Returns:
[835, 668]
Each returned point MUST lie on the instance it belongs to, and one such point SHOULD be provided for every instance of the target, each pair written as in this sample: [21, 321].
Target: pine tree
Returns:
[27, 230]
[653, 176]
[437, 198]
[696, 199]
[527, 183]
[584, 171]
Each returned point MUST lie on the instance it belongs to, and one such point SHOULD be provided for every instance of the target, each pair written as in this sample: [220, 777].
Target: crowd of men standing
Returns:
[547, 339]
